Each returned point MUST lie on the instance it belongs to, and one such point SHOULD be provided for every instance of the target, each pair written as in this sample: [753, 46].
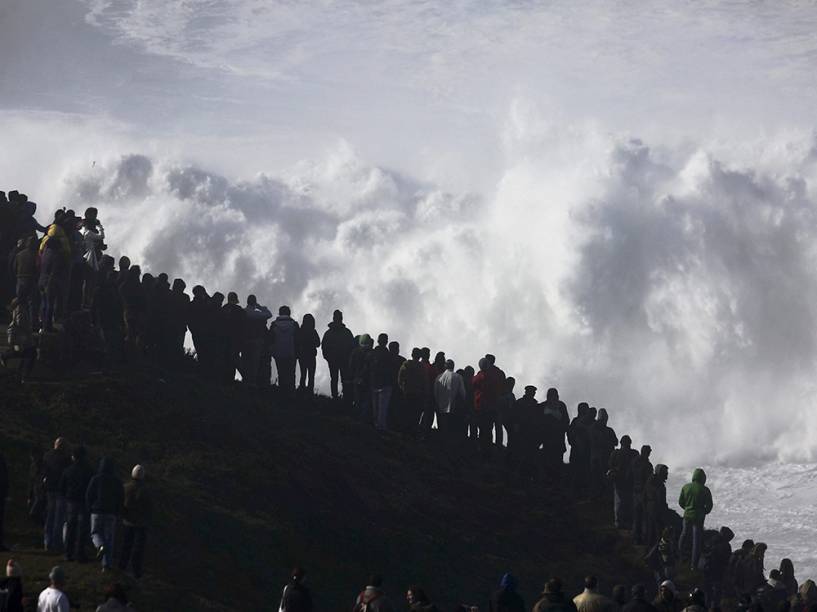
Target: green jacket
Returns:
[696, 499]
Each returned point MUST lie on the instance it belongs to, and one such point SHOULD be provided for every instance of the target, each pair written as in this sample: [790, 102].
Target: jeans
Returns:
[286, 373]
[622, 506]
[76, 530]
[133, 548]
[250, 361]
[307, 367]
[696, 528]
[380, 401]
[336, 371]
[54, 520]
[103, 533]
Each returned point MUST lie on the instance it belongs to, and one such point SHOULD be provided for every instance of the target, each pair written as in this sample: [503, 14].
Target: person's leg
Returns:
[302, 370]
[617, 518]
[311, 366]
[138, 555]
[334, 373]
[499, 431]
[71, 529]
[97, 532]
[83, 534]
[383, 409]
[697, 540]
[109, 529]
[683, 537]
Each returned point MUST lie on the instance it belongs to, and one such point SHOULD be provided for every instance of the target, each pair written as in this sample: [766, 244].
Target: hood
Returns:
[370, 593]
[808, 591]
[105, 466]
[508, 582]
[699, 476]
[336, 325]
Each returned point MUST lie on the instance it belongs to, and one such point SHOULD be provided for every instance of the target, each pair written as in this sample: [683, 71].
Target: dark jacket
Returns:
[74, 482]
[554, 602]
[662, 605]
[505, 600]
[296, 598]
[15, 588]
[307, 342]
[105, 494]
[379, 365]
[55, 463]
[621, 467]
[137, 507]
[372, 599]
[338, 343]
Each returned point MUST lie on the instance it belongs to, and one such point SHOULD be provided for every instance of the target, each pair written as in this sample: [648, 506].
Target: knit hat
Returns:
[138, 472]
[13, 569]
[57, 574]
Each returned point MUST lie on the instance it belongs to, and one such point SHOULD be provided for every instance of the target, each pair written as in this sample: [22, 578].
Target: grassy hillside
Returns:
[247, 486]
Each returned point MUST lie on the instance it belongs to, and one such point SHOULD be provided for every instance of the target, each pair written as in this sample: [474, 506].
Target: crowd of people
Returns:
[65, 291]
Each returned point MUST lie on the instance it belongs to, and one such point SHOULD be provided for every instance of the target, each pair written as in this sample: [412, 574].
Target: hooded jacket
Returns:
[137, 506]
[696, 498]
[338, 343]
[411, 378]
[506, 599]
[448, 390]
[74, 482]
[284, 329]
[105, 494]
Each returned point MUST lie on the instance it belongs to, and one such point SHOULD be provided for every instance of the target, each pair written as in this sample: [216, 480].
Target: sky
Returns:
[616, 199]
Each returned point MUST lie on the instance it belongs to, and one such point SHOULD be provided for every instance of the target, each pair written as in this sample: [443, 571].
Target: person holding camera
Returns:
[93, 236]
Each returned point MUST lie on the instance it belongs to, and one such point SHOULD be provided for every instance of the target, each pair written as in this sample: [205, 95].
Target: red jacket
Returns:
[488, 386]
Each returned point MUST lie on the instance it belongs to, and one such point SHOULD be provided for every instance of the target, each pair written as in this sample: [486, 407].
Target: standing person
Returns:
[554, 423]
[13, 583]
[379, 368]
[337, 346]
[53, 273]
[786, 573]
[579, 436]
[20, 337]
[373, 598]
[507, 415]
[603, 440]
[255, 340]
[23, 266]
[497, 377]
[468, 404]
[104, 500]
[136, 514]
[54, 463]
[590, 600]
[696, 501]
[506, 598]
[296, 596]
[449, 389]
[411, 380]
[527, 434]
[53, 599]
[663, 557]
[235, 329]
[553, 599]
[307, 342]
[283, 349]
[621, 473]
[487, 389]
[359, 374]
[655, 503]
[93, 244]
[638, 603]
[396, 406]
[4, 493]
[737, 569]
[714, 562]
[429, 410]
[73, 486]
[642, 470]
[197, 322]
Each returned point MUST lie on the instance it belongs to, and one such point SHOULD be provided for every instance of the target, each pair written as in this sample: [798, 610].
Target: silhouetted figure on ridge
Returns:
[284, 329]
[449, 389]
[488, 386]
[179, 312]
[379, 368]
[642, 470]
[53, 270]
[603, 440]
[621, 473]
[412, 381]
[93, 245]
[428, 409]
[578, 435]
[198, 322]
[296, 596]
[337, 346]
[137, 512]
[235, 328]
[397, 412]
[737, 572]
[497, 377]
[255, 341]
[104, 499]
[655, 503]
[714, 563]
[505, 409]
[525, 435]
[696, 501]
[359, 373]
[72, 487]
[307, 342]
[54, 463]
[786, 574]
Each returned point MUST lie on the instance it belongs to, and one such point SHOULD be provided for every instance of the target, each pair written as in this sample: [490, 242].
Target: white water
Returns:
[616, 201]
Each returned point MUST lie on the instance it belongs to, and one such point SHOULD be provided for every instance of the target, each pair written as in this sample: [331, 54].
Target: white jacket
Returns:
[92, 240]
[448, 388]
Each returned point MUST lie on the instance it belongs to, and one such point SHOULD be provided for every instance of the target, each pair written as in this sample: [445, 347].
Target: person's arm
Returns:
[682, 499]
[64, 603]
[707, 501]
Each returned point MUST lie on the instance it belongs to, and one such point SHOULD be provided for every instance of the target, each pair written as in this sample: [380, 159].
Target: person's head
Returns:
[699, 476]
[591, 583]
[552, 395]
[747, 546]
[179, 285]
[382, 339]
[759, 551]
[553, 586]
[199, 292]
[667, 590]
[638, 591]
[375, 580]
[116, 591]
[787, 568]
[697, 598]
[218, 297]
[60, 444]
[124, 263]
[510, 383]
[662, 472]
[483, 364]
[337, 317]
[449, 365]
[727, 534]
[252, 300]
[591, 413]
[14, 569]
[298, 574]
[232, 298]
[134, 272]
[626, 442]
[79, 454]
[775, 575]
[646, 451]
[530, 391]
[416, 354]
[366, 341]
[426, 353]
[137, 473]
[581, 409]
[439, 359]
[508, 582]
[394, 347]
[603, 417]
[469, 372]
[57, 577]
[415, 594]
[284, 311]
[620, 594]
